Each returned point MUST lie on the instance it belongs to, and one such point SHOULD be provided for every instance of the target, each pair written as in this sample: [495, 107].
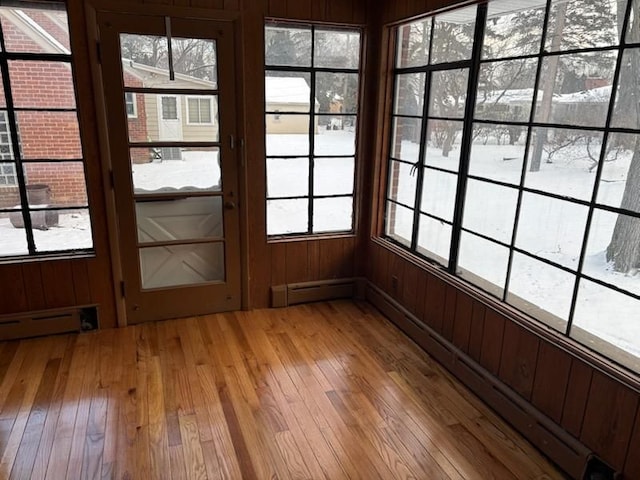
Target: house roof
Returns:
[288, 90]
[153, 76]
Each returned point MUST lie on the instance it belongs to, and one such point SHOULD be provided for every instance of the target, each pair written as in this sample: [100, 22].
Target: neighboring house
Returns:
[290, 95]
[167, 118]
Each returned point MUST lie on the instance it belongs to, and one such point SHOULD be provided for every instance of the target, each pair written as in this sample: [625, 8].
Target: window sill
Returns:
[309, 238]
[47, 258]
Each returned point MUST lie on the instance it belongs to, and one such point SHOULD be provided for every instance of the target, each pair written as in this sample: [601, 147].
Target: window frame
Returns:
[452, 267]
[20, 162]
[279, 114]
[130, 98]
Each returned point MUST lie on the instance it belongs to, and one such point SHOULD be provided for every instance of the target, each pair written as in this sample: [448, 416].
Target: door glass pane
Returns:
[333, 176]
[337, 92]
[174, 118]
[287, 135]
[289, 94]
[335, 136]
[287, 46]
[182, 265]
[287, 216]
[287, 177]
[162, 170]
[183, 219]
[336, 49]
[145, 62]
[332, 214]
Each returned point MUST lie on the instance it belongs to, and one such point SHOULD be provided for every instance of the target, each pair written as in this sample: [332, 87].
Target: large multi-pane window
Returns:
[311, 95]
[43, 196]
[515, 159]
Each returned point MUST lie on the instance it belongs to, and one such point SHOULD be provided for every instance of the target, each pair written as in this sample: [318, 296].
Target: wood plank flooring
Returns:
[329, 390]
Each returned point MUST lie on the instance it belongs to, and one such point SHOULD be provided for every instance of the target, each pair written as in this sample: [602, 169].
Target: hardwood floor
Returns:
[327, 390]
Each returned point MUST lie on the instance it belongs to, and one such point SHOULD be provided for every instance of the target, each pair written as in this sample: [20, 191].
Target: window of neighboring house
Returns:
[46, 211]
[8, 174]
[199, 110]
[130, 104]
[310, 155]
[514, 162]
[169, 108]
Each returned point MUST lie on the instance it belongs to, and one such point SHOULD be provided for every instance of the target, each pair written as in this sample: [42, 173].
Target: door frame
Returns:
[94, 8]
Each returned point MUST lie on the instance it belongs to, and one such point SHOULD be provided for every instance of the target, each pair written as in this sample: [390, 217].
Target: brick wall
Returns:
[138, 124]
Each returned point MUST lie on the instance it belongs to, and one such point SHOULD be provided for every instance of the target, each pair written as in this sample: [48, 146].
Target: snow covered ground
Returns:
[549, 228]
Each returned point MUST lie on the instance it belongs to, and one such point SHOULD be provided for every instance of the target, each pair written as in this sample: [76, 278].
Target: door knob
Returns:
[229, 205]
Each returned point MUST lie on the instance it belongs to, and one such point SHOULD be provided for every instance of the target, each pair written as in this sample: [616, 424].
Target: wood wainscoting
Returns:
[328, 390]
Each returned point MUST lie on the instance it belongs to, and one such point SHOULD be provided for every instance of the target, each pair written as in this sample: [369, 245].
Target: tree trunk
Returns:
[549, 81]
[624, 249]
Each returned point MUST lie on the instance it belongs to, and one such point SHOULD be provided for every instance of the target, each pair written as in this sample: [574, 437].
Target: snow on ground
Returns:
[73, 232]
[549, 228]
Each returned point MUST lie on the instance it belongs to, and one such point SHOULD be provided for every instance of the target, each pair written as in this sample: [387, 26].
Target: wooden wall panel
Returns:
[462, 323]
[632, 466]
[32, 282]
[297, 262]
[14, 297]
[550, 385]
[449, 317]
[609, 419]
[519, 358]
[475, 330]
[298, 9]
[575, 403]
[409, 285]
[434, 303]
[492, 334]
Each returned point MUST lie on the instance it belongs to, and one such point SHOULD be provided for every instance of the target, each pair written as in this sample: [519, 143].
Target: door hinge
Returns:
[122, 289]
[98, 52]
